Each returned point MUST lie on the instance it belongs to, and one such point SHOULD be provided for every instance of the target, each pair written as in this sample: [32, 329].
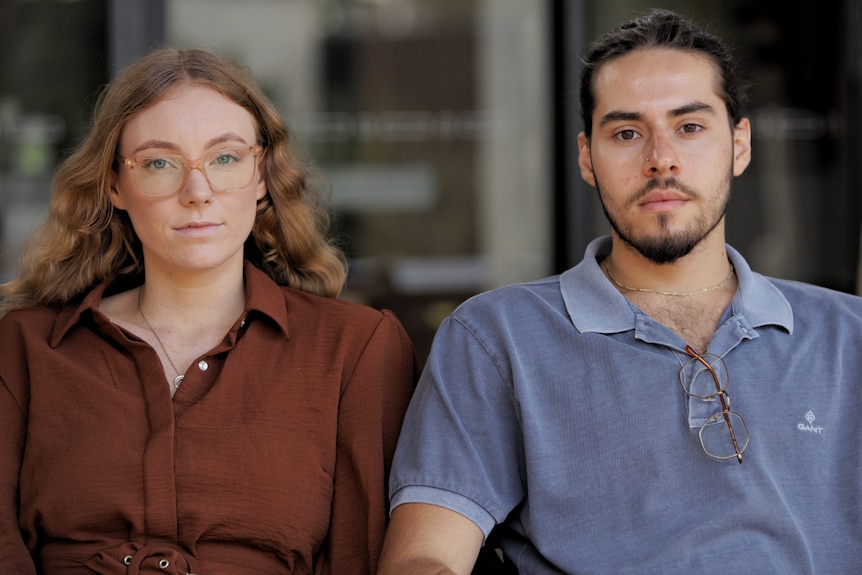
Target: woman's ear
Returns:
[114, 192]
[261, 183]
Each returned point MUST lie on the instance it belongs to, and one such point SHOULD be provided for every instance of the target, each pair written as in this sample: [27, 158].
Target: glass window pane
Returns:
[53, 61]
[429, 118]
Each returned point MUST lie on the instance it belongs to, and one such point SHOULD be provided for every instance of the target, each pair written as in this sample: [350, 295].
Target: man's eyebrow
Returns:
[691, 108]
[624, 116]
[620, 116]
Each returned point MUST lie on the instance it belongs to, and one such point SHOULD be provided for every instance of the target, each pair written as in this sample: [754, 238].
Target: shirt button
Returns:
[127, 560]
[203, 365]
[242, 323]
[163, 564]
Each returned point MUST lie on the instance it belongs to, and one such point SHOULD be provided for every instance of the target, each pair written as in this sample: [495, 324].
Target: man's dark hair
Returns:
[662, 29]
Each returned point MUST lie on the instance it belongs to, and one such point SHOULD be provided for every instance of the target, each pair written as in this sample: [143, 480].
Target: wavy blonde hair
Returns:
[84, 241]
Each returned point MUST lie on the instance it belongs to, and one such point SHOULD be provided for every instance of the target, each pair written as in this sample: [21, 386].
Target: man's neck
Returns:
[688, 296]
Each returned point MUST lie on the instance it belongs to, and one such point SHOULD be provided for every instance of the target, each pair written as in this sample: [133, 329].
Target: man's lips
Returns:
[663, 200]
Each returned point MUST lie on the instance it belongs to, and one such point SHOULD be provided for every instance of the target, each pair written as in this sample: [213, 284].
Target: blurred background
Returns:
[448, 127]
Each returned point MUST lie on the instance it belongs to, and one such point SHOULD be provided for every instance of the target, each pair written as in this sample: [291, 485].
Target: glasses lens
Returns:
[229, 170]
[716, 436]
[704, 376]
[159, 175]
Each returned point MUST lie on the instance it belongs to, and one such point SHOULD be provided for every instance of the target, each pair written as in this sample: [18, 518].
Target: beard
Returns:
[667, 246]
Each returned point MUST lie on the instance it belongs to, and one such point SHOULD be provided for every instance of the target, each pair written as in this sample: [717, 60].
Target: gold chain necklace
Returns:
[669, 293]
[180, 376]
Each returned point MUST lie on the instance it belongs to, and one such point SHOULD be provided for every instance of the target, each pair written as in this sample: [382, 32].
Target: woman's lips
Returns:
[198, 229]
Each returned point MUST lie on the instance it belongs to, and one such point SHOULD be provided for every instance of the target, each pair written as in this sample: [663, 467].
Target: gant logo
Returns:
[810, 427]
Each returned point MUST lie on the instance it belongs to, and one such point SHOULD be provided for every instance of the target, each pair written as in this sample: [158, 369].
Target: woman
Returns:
[180, 391]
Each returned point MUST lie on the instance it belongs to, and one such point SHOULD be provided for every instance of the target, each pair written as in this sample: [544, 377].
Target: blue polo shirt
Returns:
[554, 409]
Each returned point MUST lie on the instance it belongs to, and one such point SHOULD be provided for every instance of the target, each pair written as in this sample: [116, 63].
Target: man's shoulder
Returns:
[801, 293]
[814, 305]
[513, 297]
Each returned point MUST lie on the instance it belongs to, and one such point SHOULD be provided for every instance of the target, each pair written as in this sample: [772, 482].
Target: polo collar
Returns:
[595, 305]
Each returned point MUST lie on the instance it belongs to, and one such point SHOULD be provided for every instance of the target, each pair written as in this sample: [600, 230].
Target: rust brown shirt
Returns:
[271, 458]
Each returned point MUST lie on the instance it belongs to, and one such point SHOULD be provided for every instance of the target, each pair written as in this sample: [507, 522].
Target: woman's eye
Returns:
[225, 158]
[158, 163]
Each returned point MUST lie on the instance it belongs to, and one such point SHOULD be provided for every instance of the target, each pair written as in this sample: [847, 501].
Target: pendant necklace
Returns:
[668, 293]
[180, 376]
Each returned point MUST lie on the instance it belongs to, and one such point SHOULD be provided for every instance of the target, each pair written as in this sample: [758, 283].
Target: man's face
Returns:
[662, 154]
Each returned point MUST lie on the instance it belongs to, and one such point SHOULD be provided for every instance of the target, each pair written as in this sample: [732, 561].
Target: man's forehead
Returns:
[655, 79]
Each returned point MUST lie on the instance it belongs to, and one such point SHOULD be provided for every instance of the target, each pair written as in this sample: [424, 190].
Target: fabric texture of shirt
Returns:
[272, 456]
[554, 410]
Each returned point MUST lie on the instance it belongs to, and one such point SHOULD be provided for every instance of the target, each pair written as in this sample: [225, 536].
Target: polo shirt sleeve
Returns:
[460, 446]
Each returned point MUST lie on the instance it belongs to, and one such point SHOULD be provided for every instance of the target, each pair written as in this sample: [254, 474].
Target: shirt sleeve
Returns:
[461, 447]
[13, 551]
[374, 398]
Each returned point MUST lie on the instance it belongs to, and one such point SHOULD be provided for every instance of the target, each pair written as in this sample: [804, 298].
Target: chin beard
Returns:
[667, 248]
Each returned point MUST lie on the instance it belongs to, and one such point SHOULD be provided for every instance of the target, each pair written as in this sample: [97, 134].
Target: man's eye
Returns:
[691, 128]
[627, 135]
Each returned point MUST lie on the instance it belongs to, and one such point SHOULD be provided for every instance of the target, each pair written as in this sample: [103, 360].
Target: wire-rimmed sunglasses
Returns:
[724, 435]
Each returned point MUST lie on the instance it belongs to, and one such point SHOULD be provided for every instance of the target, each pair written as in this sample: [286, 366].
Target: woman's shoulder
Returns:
[31, 317]
[304, 306]
[20, 328]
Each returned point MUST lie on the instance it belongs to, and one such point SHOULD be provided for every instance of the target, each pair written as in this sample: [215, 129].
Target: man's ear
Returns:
[741, 146]
[585, 160]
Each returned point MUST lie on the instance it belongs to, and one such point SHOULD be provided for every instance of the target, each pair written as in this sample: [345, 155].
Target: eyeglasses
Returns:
[724, 434]
[161, 175]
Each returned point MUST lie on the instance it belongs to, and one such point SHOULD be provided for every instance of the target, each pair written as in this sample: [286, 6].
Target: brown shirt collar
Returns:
[262, 295]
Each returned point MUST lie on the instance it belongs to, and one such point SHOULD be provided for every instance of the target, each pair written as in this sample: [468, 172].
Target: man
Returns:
[589, 416]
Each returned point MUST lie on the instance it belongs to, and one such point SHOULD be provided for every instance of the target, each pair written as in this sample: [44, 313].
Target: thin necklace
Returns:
[669, 293]
[180, 376]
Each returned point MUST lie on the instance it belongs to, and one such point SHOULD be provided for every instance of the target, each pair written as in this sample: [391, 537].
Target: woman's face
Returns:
[195, 228]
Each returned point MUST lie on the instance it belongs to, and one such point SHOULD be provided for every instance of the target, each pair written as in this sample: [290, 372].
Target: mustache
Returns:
[664, 183]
